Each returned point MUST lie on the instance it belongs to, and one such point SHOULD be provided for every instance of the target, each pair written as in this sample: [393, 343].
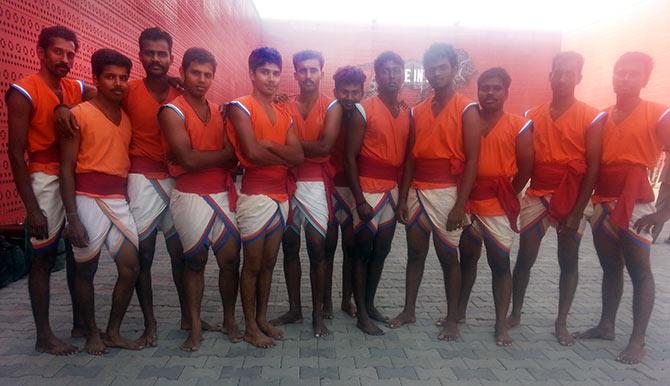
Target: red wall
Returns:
[525, 54]
[230, 29]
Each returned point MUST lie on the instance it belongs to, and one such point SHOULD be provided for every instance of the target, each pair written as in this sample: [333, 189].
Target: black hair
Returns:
[349, 75]
[569, 56]
[108, 57]
[264, 55]
[198, 55]
[385, 57]
[155, 34]
[439, 51]
[48, 34]
[639, 57]
[495, 72]
[306, 55]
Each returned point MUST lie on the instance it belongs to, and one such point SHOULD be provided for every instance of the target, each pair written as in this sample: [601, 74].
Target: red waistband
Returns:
[438, 170]
[628, 184]
[208, 181]
[265, 180]
[48, 155]
[564, 180]
[308, 171]
[502, 189]
[373, 168]
[144, 165]
[100, 184]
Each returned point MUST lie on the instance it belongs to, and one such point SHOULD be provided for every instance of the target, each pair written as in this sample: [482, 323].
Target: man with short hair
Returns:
[317, 121]
[264, 139]
[30, 105]
[94, 166]
[634, 134]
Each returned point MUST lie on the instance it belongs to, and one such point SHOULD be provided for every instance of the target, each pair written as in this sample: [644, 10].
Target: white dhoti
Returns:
[149, 201]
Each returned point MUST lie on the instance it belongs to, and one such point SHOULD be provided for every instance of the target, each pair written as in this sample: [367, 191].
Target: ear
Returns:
[41, 54]
[181, 73]
[95, 80]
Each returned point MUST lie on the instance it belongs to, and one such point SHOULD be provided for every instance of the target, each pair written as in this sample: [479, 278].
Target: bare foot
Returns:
[564, 337]
[513, 321]
[597, 332]
[233, 331]
[185, 325]
[374, 314]
[192, 343]
[270, 330]
[148, 338]
[78, 332]
[441, 322]
[95, 345]
[401, 320]
[320, 329]
[55, 346]
[449, 332]
[502, 336]
[369, 328]
[328, 312]
[288, 318]
[349, 309]
[632, 354]
[259, 340]
[119, 341]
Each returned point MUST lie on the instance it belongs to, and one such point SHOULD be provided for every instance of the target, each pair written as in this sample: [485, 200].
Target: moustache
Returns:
[63, 66]
[154, 64]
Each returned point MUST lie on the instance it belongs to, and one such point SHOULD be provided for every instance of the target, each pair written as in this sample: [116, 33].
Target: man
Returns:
[203, 200]
[567, 142]
[317, 120]
[505, 165]
[663, 199]
[634, 134]
[30, 105]
[375, 152]
[349, 89]
[265, 142]
[94, 168]
[441, 169]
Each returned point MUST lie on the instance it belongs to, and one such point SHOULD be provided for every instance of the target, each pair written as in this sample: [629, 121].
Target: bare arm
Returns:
[525, 157]
[64, 121]
[75, 232]
[291, 153]
[331, 130]
[407, 175]
[250, 147]
[353, 148]
[176, 136]
[89, 92]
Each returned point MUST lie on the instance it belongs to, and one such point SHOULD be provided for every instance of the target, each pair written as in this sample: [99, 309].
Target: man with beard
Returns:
[30, 106]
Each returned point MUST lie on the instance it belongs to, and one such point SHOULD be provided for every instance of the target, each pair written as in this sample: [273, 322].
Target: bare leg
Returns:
[78, 328]
[145, 292]
[251, 269]
[330, 247]
[292, 274]
[270, 250]
[568, 260]
[382, 247]
[529, 246]
[364, 240]
[470, 248]
[502, 290]
[349, 253]
[228, 259]
[318, 271]
[194, 284]
[451, 269]
[84, 275]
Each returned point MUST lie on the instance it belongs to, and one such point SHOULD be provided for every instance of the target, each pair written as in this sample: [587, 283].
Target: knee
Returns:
[44, 262]
[196, 264]
[230, 263]
[85, 271]
[500, 266]
[146, 259]
[641, 275]
[448, 260]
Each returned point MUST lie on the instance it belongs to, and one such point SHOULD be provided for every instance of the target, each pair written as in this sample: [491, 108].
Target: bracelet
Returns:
[61, 105]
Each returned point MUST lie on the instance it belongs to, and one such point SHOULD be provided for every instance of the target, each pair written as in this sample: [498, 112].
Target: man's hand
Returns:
[176, 82]
[281, 98]
[65, 122]
[76, 232]
[365, 211]
[402, 212]
[456, 218]
[571, 223]
[649, 222]
[38, 225]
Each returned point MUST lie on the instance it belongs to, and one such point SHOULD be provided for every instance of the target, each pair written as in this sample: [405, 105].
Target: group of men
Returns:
[114, 162]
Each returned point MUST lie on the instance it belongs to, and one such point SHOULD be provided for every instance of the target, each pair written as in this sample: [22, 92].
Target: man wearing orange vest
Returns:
[264, 139]
[375, 153]
[94, 169]
[317, 121]
[204, 197]
[30, 105]
[441, 171]
[505, 165]
[349, 89]
[567, 142]
[635, 132]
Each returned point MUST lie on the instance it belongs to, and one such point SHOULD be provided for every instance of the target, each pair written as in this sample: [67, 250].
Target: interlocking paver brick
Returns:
[393, 373]
[321, 373]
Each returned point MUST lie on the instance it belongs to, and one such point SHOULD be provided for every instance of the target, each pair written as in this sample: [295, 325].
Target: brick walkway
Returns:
[409, 355]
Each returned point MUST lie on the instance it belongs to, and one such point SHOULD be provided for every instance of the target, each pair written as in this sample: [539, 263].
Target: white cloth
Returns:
[149, 201]
[46, 188]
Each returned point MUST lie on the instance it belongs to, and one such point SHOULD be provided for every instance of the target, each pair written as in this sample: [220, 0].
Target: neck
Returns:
[267, 99]
[48, 78]
[443, 94]
[194, 100]
[106, 104]
[491, 116]
[627, 102]
[563, 102]
[159, 83]
[389, 98]
[308, 96]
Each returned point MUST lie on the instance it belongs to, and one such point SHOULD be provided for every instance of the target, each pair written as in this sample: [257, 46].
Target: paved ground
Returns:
[409, 355]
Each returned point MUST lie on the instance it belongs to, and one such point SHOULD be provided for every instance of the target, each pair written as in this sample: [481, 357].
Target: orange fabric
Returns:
[439, 137]
[497, 158]
[147, 139]
[500, 190]
[310, 128]
[103, 146]
[385, 141]
[42, 136]
[263, 129]
[562, 140]
[628, 184]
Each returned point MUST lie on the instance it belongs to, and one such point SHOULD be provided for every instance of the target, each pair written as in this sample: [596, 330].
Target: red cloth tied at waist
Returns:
[564, 179]
[317, 171]
[373, 168]
[148, 167]
[448, 171]
[501, 188]
[208, 181]
[267, 180]
[629, 184]
[100, 184]
[48, 155]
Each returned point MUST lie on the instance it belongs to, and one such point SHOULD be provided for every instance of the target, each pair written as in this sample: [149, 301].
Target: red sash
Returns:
[373, 168]
[208, 181]
[628, 184]
[313, 171]
[501, 188]
[148, 166]
[100, 184]
[266, 180]
[564, 179]
[48, 155]
[447, 171]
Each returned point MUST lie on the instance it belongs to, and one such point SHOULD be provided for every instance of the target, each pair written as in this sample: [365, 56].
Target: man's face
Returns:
[198, 78]
[629, 78]
[308, 74]
[564, 77]
[155, 57]
[266, 78]
[349, 95]
[390, 76]
[112, 84]
[58, 57]
[492, 94]
[439, 73]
